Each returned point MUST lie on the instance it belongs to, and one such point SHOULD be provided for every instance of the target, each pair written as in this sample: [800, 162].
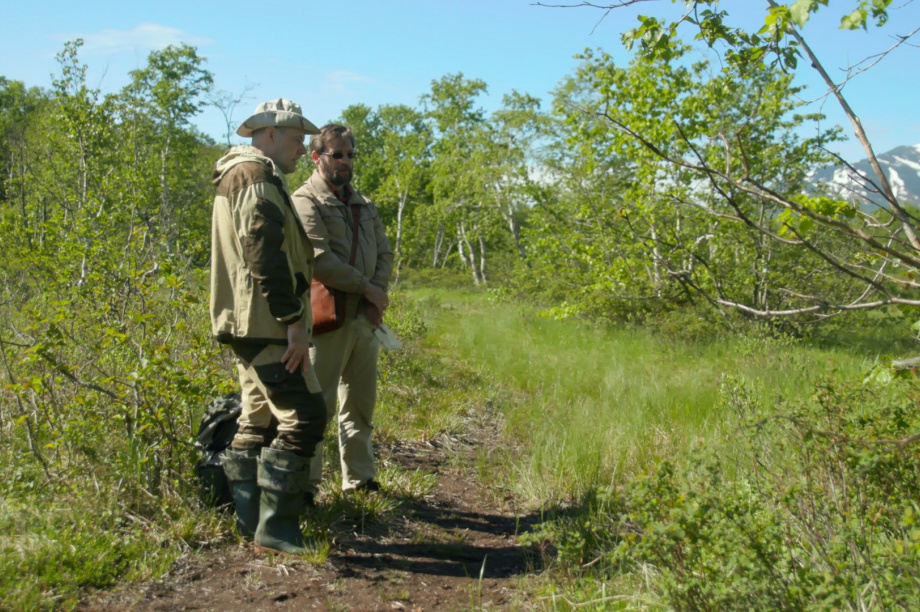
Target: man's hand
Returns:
[372, 313]
[297, 354]
[376, 296]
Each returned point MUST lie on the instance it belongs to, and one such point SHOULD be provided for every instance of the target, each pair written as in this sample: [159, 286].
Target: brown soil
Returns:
[456, 550]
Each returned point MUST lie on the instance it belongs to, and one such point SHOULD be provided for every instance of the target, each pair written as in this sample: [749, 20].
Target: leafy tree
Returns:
[158, 104]
[393, 145]
[519, 129]
[473, 163]
[456, 185]
[636, 229]
[104, 354]
[575, 236]
[365, 124]
[870, 245]
[19, 108]
[83, 141]
[405, 157]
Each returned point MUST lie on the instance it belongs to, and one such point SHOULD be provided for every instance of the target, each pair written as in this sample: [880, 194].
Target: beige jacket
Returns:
[261, 259]
[328, 223]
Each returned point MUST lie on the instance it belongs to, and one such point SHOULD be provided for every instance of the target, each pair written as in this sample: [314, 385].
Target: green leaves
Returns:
[801, 10]
[107, 351]
[653, 172]
[859, 18]
[820, 205]
[653, 36]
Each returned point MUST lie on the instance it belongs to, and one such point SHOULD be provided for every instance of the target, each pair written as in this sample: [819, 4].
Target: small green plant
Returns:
[395, 596]
[318, 551]
[411, 485]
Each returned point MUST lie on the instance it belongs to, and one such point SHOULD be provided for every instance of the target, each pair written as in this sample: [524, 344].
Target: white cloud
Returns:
[144, 36]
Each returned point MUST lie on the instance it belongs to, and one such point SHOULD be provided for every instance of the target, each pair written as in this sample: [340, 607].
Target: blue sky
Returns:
[329, 55]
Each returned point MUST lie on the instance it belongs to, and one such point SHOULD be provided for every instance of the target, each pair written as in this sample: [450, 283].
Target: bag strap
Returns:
[356, 214]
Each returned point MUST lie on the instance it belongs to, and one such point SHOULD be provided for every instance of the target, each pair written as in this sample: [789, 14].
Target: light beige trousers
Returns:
[345, 363]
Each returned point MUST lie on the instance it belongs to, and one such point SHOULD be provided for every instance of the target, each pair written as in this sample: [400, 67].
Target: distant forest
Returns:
[645, 189]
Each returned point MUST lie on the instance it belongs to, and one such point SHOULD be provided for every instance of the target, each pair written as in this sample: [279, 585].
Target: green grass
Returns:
[581, 408]
[54, 549]
[746, 471]
[589, 406]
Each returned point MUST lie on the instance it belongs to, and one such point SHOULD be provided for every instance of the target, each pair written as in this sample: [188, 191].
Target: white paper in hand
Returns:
[387, 339]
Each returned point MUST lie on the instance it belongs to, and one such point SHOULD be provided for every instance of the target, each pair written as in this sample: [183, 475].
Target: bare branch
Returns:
[900, 443]
[869, 62]
[605, 7]
[886, 190]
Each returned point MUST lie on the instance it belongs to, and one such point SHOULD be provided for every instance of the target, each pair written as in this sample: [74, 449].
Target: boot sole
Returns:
[262, 550]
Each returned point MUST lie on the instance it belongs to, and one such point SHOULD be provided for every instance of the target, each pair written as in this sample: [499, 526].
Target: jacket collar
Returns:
[324, 191]
[346, 192]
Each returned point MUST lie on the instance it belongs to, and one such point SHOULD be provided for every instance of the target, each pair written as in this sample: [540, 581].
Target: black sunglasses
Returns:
[340, 155]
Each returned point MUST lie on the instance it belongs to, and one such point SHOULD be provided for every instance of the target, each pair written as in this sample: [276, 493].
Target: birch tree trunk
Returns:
[482, 259]
[438, 241]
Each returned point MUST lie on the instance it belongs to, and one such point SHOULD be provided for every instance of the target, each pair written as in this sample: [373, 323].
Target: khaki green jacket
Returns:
[261, 259]
[328, 223]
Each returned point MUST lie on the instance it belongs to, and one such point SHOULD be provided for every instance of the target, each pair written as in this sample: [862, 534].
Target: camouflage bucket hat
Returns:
[280, 113]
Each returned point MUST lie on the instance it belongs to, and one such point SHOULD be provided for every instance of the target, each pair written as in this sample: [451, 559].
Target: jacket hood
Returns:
[239, 155]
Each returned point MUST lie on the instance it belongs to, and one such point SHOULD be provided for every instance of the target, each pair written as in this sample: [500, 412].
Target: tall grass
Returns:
[751, 471]
[590, 405]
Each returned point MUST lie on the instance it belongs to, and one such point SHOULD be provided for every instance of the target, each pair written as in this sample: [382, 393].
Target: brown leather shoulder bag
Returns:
[328, 304]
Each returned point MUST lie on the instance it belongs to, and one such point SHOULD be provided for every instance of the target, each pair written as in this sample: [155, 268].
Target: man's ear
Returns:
[314, 156]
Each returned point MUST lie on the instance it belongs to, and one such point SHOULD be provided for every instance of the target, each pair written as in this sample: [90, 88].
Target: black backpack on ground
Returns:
[215, 433]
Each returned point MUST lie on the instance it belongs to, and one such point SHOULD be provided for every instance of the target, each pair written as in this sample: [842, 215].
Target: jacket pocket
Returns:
[286, 390]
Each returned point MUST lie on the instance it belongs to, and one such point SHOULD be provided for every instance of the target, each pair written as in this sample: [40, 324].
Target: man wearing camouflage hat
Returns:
[261, 265]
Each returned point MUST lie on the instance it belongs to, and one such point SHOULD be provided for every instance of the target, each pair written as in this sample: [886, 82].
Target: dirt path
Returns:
[455, 550]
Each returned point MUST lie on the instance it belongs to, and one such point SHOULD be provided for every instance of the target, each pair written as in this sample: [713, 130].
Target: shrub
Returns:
[106, 362]
[812, 506]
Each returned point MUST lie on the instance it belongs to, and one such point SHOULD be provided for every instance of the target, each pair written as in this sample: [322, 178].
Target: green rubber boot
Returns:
[241, 469]
[283, 478]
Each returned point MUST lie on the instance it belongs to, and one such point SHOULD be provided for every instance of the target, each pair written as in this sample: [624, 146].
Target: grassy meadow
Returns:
[743, 471]
[588, 406]
[747, 471]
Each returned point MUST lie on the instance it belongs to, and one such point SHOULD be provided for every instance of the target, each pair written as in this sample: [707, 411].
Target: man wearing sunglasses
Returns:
[345, 359]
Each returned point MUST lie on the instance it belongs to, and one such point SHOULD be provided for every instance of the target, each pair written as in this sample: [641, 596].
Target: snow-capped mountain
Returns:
[901, 165]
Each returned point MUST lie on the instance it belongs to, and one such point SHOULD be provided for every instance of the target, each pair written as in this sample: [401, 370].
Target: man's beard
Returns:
[340, 177]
